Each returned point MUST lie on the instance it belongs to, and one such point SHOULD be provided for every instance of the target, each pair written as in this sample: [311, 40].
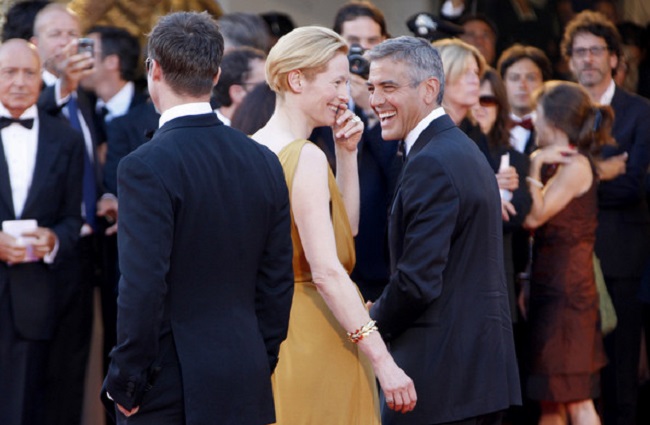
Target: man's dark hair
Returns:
[355, 9]
[118, 41]
[480, 17]
[19, 21]
[235, 69]
[594, 23]
[188, 48]
[517, 52]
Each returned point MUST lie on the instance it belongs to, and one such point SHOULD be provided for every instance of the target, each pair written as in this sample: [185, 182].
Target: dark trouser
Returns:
[22, 371]
[71, 343]
[494, 418]
[620, 377]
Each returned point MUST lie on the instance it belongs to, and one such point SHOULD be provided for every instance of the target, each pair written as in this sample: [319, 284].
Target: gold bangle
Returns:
[363, 332]
[535, 182]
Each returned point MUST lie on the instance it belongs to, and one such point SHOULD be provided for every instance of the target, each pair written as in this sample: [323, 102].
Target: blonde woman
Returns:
[325, 372]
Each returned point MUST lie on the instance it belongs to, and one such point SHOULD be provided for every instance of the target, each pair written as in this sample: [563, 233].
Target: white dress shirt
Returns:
[606, 98]
[119, 104]
[518, 135]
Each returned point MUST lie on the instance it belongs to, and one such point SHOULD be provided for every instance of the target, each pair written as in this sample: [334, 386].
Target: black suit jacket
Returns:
[623, 234]
[124, 135]
[445, 310]
[205, 253]
[53, 200]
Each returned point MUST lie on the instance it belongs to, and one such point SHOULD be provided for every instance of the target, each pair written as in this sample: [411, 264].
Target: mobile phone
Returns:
[86, 45]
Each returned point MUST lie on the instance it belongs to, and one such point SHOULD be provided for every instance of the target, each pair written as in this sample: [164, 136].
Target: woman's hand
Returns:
[347, 129]
[398, 388]
[553, 154]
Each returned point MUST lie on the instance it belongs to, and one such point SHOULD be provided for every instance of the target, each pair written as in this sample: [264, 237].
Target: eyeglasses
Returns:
[581, 52]
[488, 100]
[147, 64]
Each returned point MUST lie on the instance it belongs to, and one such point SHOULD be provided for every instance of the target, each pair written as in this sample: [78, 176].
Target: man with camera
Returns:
[65, 63]
[363, 26]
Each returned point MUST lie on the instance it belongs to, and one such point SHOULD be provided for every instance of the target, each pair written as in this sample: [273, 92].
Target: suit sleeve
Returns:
[430, 208]
[69, 223]
[627, 189]
[274, 291]
[146, 223]
[47, 101]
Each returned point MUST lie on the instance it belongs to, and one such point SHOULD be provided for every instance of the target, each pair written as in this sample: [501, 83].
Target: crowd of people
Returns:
[304, 225]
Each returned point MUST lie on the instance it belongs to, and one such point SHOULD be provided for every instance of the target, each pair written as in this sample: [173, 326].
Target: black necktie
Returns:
[401, 151]
[6, 122]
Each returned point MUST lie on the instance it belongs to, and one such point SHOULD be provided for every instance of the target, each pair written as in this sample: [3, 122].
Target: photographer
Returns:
[363, 26]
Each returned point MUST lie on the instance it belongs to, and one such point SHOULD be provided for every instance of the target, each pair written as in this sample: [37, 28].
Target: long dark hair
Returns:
[568, 107]
[499, 134]
[255, 110]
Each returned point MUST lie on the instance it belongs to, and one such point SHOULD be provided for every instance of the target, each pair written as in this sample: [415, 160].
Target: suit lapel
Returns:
[438, 125]
[45, 155]
[5, 183]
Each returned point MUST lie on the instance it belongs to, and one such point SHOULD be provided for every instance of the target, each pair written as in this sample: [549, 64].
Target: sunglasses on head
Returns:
[487, 100]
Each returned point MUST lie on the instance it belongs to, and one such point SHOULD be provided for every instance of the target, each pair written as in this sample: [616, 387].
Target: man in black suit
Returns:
[40, 165]
[56, 33]
[445, 309]
[592, 46]
[205, 251]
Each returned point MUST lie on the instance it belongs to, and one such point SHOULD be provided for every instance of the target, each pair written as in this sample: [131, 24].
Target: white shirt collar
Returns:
[517, 119]
[607, 97]
[30, 112]
[48, 78]
[197, 108]
[118, 105]
[224, 119]
[413, 135]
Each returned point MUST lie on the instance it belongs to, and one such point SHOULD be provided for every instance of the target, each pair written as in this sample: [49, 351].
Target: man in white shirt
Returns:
[40, 168]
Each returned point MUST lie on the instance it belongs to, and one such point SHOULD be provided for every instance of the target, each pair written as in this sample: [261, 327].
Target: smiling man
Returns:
[445, 309]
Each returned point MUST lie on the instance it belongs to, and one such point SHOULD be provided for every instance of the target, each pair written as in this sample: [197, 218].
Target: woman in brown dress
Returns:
[566, 342]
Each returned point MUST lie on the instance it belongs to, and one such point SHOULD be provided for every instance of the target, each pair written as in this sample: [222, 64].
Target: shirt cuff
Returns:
[449, 11]
[51, 256]
[57, 94]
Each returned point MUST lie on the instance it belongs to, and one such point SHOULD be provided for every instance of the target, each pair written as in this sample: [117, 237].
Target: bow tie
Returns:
[526, 123]
[6, 122]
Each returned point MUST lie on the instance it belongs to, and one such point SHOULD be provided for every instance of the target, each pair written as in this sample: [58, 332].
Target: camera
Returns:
[358, 64]
[86, 45]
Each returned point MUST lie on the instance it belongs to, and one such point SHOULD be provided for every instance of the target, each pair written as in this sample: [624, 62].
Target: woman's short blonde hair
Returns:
[307, 49]
[455, 55]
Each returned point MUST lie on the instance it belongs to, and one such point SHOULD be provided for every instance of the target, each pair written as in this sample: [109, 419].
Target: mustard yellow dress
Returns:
[321, 377]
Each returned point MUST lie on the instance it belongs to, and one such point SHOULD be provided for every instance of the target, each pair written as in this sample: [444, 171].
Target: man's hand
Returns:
[508, 179]
[107, 207]
[72, 67]
[507, 209]
[125, 412]
[11, 250]
[610, 168]
[44, 242]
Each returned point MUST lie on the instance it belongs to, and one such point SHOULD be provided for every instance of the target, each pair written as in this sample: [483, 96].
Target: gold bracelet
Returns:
[535, 182]
[363, 332]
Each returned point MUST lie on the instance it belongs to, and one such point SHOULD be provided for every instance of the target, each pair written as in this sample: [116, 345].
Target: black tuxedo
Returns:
[207, 281]
[623, 246]
[445, 310]
[124, 135]
[30, 293]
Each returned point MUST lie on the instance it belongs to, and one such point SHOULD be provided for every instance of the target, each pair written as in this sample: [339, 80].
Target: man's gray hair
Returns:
[422, 58]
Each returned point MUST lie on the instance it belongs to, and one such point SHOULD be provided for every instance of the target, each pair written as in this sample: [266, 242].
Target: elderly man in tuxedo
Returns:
[204, 248]
[445, 309]
[40, 179]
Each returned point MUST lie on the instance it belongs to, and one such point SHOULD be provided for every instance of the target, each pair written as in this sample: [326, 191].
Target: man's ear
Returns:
[236, 93]
[215, 79]
[431, 87]
[111, 61]
[295, 79]
[34, 40]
